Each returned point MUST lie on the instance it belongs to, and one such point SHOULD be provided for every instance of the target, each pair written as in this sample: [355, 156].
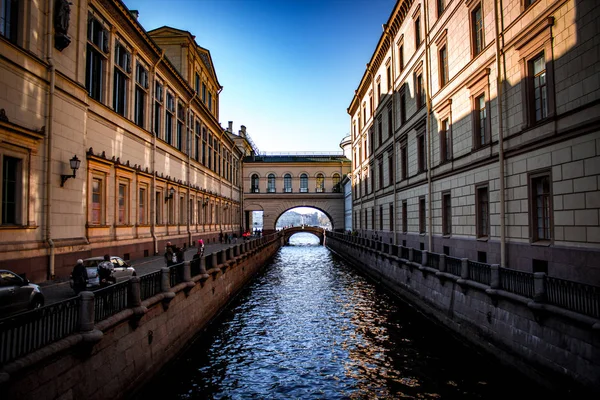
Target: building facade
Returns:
[475, 133]
[82, 81]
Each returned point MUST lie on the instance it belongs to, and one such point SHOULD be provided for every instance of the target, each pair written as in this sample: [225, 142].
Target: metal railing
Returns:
[573, 296]
[110, 300]
[517, 282]
[150, 284]
[195, 267]
[433, 260]
[479, 272]
[417, 256]
[175, 274]
[24, 333]
[404, 252]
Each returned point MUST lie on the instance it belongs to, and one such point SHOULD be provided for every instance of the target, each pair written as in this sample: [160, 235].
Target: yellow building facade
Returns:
[475, 133]
[83, 80]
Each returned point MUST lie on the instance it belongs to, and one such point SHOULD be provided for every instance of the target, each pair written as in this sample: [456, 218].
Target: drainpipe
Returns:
[428, 131]
[189, 162]
[372, 145]
[499, 83]
[394, 144]
[153, 197]
[48, 150]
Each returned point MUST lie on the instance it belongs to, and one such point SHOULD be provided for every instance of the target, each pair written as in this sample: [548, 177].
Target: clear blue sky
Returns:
[288, 68]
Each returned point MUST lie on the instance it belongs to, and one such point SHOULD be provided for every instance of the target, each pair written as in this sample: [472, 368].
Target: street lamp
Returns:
[74, 162]
[171, 193]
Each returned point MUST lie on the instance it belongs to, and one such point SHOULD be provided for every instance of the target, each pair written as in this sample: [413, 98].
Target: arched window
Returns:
[287, 183]
[303, 183]
[336, 183]
[320, 183]
[254, 188]
[271, 183]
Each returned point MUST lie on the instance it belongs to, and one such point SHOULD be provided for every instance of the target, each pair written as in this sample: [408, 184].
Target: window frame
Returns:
[101, 204]
[140, 94]
[122, 210]
[422, 216]
[421, 151]
[404, 216]
[254, 183]
[533, 225]
[142, 203]
[479, 86]
[481, 219]
[122, 70]
[21, 206]
[287, 183]
[474, 6]
[304, 182]
[447, 213]
[97, 52]
[271, 183]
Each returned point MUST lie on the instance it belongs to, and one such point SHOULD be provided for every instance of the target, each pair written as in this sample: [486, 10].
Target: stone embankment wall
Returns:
[128, 349]
[555, 347]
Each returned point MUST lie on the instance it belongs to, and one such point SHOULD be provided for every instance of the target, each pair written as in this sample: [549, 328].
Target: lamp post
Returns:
[74, 163]
[171, 193]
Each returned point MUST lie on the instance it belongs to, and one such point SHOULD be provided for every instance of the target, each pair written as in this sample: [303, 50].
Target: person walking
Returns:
[80, 277]
[105, 270]
[221, 237]
[170, 256]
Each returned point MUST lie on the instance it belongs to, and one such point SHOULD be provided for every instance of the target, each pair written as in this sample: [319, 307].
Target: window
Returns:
[481, 129]
[441, 6]
[158, 101]
[404, 159]
[97, 217]
[271, 183]
[443, 65]
[254, 181]
[303, 183]
[142, 200]
[179, 140]
[204, 92]
[402, 106]
[158, 203]
[97, 50]
[420, 91]
[320, 183]
[401, 58]
[171, 211]
[371, 106]
[371, 148]
[417, 32]
[446, 214]
[336, 183]
[392, 217]
[197, 83]
[379, 90]
[404, 216]
[445, 141]
[391, 168]
[373, 218]
[390, 127]
[379, 131]
[141, 86]
[380, 172]
[380, 218]
[11, 190]
[388, 74]
[421, 152]
[422, 215]
[287, 183]
[210, 102]
[541, 207]
[204, 146]
[477, 42]
[197, 141]
[482, 211]
[182, 215]
[122, 204]
[121, 79]
[170, 110]
[539, 105]
[9, 19]
[372, 176]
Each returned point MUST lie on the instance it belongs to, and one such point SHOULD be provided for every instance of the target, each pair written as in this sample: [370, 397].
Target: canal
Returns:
[311, 327]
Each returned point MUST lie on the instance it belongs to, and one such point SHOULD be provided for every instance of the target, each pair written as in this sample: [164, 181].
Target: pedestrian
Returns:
[221, 237]
[200, 251]
[170, 256]
[79, 276]
[105, 270]
[180, 253]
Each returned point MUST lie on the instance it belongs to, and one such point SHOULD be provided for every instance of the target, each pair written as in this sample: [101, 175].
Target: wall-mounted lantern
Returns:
[171, 193]
[74, 162]
[205, 203]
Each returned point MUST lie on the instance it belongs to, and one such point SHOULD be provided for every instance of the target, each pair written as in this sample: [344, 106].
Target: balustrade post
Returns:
[227, 254]
[539, 287]
[411, 255]
[442, 266]
[135, 299]
[495, 276]
[424, 256]
[165, 284]
[236, 250]
[464, 268]
[203, 265]
[214, 260]
[187, 271]
[86, 311]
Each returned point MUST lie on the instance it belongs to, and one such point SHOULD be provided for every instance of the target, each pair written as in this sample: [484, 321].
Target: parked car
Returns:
[18, 294]
[122, 271]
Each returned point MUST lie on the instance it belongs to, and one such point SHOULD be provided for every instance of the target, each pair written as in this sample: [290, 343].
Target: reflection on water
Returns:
[310, 327]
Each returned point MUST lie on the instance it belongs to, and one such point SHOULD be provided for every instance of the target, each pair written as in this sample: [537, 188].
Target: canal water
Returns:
[311, 327]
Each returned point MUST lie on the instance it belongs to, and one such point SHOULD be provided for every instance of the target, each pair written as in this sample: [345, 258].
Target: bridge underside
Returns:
[289, 232]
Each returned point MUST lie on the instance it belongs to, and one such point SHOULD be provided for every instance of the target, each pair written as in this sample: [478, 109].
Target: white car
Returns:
[121, 272]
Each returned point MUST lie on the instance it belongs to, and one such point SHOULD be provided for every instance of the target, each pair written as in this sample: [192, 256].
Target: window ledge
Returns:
[483, 238]
[541, 243]
[12, 227]
[447, 236]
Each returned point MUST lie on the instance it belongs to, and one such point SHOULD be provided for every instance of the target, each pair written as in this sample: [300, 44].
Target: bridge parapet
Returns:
[315, 230]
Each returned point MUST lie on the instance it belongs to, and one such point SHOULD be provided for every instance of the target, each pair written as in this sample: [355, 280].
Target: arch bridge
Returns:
[276, 183]
[315, 230]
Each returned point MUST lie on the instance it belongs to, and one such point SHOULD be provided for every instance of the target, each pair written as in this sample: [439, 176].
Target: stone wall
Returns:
[123, 352]
[555, 347]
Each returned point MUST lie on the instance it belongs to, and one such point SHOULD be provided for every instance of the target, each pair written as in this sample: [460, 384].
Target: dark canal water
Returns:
[310, 327]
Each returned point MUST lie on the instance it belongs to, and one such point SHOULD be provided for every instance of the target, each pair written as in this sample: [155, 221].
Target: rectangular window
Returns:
[372, 176]
[158, 101]
[158, 203]
[379, 131]
[391, 168]
[392, 217]
[121, 79]
[404, 216]
[443, 66]
[446, 214]
[197, 83]
[445, 141]
[420, 91]
[373, 218]
[537, 67]
[169, 111]
[421, 152]
[481, 126]
[417, 32]
[141, 86]
[182, 216]
[388, 73]
[210, 101]
[11, 174]
[204, 93]
[122, 204]
[380, 172]
[404, 160]
[482, 211]
[402, 107]
[180, 121]
[97, 49]
[401, 58]
[97, 217]
[390, 122]
[380, 218]
[142, 213]
[9, 19]
[379, 91]
[441, 6]
[197, 140]
[477, 30]
[541, 207]
[422, 215]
